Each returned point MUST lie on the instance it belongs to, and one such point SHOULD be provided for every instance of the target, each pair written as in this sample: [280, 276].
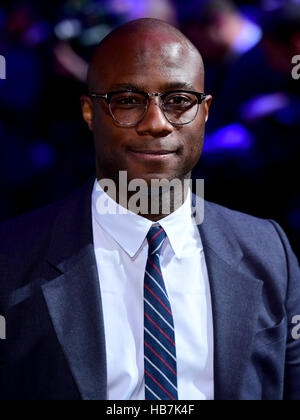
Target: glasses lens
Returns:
[128, 108]
[180, 108]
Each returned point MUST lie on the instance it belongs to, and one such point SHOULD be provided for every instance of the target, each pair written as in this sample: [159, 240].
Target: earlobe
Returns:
[87, 110]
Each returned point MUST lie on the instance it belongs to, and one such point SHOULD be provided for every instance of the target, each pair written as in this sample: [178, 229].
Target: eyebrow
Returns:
[178, 85]
[167, 86]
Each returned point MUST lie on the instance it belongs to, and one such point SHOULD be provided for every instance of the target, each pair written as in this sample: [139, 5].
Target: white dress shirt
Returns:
[121, 250]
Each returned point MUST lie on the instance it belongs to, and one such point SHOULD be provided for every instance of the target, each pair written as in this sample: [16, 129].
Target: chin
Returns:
[158, 177]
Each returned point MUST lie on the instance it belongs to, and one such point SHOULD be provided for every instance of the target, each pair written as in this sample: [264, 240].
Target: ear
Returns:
[87, 107]
[207, 104]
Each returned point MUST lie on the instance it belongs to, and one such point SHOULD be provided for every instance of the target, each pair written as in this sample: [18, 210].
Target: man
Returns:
[140, 305]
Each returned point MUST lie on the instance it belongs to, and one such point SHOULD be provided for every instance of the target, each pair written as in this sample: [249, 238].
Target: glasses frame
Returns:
[109, 95]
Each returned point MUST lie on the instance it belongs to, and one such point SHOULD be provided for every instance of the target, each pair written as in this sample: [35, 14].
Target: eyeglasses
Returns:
[129, 107]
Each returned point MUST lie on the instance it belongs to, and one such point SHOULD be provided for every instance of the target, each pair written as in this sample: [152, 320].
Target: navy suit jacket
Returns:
[51, 299]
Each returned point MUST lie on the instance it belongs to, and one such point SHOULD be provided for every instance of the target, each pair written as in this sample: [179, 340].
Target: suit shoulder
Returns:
[34, 229]
[248, 228]
[26, 241]
[267, 253]
[27, 229]
[235, 216]
[23, 243]
[38, 223]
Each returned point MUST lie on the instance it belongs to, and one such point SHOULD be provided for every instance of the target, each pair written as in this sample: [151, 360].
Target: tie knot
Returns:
[156, 237]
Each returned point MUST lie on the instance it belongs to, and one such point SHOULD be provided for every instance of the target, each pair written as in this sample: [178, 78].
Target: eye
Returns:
[128, 100]
[178, 100]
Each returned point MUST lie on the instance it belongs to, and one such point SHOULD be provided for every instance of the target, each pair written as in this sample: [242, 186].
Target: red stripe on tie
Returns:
[158, 299]
[159, 329]
[172, 398]
[153, 265]
[152, 239]
[156, 354]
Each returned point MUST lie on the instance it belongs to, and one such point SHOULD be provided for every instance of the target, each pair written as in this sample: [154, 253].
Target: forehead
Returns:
[149, 61]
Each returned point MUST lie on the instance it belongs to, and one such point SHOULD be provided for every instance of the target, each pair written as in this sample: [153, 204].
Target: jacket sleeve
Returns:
[292, 362]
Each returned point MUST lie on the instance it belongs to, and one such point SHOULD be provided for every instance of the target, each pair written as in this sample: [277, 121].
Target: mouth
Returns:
[153, 154]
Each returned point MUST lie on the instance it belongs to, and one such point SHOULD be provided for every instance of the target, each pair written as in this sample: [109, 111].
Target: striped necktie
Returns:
[159, 337]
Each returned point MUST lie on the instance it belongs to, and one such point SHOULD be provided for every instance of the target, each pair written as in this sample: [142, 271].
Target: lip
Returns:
[153, 154]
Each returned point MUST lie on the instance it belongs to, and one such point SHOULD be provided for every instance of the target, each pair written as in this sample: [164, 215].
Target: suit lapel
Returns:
[73, 298]
[235, 302]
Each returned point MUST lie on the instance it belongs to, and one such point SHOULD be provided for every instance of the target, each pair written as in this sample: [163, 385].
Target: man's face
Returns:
[151, 64]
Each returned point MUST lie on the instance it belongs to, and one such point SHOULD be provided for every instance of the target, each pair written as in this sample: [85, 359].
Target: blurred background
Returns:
[251, 157]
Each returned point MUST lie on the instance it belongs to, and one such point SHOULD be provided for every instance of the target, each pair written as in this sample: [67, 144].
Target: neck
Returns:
[162, 204]
[153, 202]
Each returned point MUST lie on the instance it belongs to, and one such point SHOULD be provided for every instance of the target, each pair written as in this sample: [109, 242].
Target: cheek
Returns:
[198, 131]
[104, 132]
[109, 146]
[100, 122]
[194, 142]
[103, 141]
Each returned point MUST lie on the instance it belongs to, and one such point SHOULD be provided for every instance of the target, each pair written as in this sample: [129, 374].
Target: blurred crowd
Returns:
[250, 160]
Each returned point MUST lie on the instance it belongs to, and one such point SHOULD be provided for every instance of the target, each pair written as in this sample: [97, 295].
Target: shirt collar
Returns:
[129, 230]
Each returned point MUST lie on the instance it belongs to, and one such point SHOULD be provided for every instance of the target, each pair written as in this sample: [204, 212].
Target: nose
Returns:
[154, 122]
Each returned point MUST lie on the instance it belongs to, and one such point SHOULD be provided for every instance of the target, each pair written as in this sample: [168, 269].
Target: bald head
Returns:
[143, 42]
